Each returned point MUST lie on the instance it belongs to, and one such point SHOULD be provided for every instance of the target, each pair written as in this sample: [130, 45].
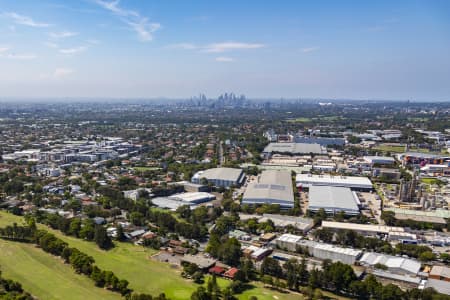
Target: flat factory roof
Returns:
[226, 174]
[345, 181]
[272, 186]
[332, 199]
[193, 197]
[294, 148]
[362, 227]
[289, 238]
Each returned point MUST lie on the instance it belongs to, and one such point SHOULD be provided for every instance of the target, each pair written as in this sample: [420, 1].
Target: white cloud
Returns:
[24, 20]
[310, 49]
[144, 29]
[93, 42]
[71, 51]
[113, 6]
[224, 59]
[6, 53]
[184, 46]
[139, 24]
[51, 45]
[62, 72]
[230, 46]
[62, 34]
[19, 56]
[58, 73]
[217, 47]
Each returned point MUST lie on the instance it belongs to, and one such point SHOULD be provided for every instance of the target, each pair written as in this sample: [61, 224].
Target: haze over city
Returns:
[224, 150]
[392, 50]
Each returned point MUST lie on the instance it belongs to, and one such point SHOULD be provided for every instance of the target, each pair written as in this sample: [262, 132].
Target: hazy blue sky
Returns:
[136, 48]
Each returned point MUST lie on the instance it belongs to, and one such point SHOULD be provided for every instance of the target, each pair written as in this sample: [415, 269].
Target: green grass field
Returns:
[46, 276]
[125, 260]
[299, 120]
[393, 149]
[144, 169]
[432, 181]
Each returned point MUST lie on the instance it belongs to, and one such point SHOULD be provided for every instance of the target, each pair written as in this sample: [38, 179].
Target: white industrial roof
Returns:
[172, 204]
[273, 186]
[226, 174]
[404, 278]
[294, 148]
[282, 221]
[259, 252]
[344, 181]
[332, 199]
[193, 196]
[362, 227]
[335, 249]
[374, 159]
[392, 262]
[441, 286]
[289, 238]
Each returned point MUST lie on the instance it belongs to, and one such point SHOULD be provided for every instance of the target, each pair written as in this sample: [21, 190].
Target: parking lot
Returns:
[167, 257]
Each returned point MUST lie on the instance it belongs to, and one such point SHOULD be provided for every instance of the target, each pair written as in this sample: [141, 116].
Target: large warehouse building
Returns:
[333, 200]
[271, 187]
[352, 182]
[190, 199]
[293, 149]
[224, 177]
[380, 160]
[323, 141]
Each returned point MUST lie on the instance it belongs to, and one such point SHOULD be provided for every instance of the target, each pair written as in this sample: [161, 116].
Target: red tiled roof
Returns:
[216, 270]
[231, 272]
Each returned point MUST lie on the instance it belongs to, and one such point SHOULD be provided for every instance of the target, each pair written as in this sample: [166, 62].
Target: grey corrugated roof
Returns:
[392, 262]
[330, 197]
[441, 286]
[345, 181]
[294, 148]
[440, 271]
[271, 187]
[227, 174]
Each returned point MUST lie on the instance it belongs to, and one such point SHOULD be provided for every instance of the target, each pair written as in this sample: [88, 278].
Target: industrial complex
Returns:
[352, 182]
[333, 200]
[294, 148]
[271, 187]
[224, 177]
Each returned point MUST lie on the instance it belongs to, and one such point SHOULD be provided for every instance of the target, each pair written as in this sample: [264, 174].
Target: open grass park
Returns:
[47, 277]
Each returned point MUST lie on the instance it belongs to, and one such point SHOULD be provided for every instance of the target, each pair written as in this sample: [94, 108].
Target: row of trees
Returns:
[12, 290]
[389, 218]
[80, 262]
[85, 229]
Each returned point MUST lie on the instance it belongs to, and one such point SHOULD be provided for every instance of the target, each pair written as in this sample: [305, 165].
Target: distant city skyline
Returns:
[393, 50]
